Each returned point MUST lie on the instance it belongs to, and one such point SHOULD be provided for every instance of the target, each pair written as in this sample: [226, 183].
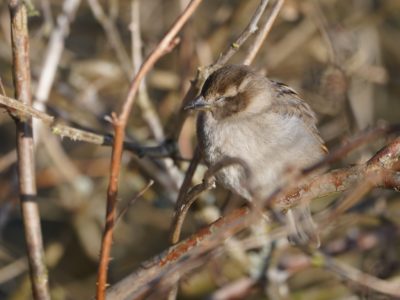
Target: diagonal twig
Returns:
[262, 34]
[23, 111]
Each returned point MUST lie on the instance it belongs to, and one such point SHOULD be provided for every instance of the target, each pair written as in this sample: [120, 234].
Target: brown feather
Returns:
[288, 102]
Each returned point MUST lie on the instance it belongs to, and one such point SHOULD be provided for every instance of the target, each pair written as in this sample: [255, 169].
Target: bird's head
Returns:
[229, 91]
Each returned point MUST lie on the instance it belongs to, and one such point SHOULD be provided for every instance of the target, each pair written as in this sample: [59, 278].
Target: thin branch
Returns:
[263, 33]
[178, 218]
[349, 273]
[13, 269]
[54, 51]
[133, 200]
[251, 28]
[113, 36]
[182, 206]
[26, 161]
[2, 89]
[323, 26]
[119, 122]
[187, 198]
[166, 45]
[7, 160]
[149, 113]
[22, 111]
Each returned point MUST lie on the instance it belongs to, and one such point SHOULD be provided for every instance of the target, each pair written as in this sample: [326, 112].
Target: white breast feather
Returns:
[282, 143]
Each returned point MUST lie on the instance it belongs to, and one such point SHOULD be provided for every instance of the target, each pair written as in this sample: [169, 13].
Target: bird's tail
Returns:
[301, 226]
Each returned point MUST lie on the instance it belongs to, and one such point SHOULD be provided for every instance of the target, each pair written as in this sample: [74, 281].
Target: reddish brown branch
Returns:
[112, 193]
[188, 196]
[341, 179]
[119, 122]
[26, 162]
[139, 282]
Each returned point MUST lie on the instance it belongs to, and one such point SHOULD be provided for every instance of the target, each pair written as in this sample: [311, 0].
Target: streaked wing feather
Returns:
[288, 102]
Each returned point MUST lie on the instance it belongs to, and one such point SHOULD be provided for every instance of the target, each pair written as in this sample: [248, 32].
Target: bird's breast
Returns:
[267, 143]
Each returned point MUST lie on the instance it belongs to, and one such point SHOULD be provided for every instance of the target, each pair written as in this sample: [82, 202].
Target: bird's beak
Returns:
[198, 103]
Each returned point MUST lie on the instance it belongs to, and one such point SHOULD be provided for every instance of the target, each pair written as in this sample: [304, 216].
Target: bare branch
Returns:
[26, 161]
[22, 111]
[181, 202]
[263, 33]
[355, 276]
[149, 114]
[189, 196]
[133, 200]
[54, 51]
[251, 28]
[113, 36]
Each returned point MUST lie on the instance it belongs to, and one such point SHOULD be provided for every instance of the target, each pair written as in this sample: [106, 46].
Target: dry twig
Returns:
[113, 36]
[22, 111]
[149, 113]
[26, 161]
[262, 34]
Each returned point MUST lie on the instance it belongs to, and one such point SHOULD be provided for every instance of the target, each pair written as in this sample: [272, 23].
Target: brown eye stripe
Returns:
[219, 81]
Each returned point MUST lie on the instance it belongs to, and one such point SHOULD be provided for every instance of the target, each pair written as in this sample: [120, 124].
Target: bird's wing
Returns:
[288, 102]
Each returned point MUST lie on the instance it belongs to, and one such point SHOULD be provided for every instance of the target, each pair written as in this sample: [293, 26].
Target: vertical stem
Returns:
[182, 206]
[26, 163]
[112, 193]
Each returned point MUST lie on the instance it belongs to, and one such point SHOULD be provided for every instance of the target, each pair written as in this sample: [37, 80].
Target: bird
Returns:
[264, 123]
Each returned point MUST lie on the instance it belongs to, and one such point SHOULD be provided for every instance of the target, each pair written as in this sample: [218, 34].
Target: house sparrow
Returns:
[265, 124]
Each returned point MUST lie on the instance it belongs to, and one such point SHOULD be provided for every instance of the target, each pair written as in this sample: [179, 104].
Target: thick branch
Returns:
[26, 162]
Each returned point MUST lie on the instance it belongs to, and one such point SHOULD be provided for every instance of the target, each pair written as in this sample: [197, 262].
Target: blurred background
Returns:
[342, 56]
